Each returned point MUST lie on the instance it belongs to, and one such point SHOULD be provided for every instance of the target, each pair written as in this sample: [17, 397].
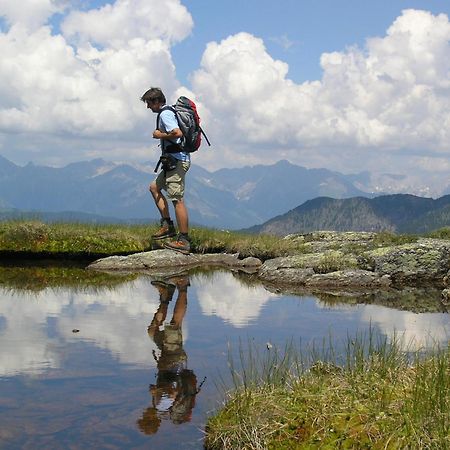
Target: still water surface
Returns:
[124, 362]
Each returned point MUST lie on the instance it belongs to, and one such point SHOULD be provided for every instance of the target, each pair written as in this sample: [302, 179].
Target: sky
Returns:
[346, 85]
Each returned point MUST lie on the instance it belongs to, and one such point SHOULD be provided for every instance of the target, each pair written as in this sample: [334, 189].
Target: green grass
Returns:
[19, 236]
[442, 233]
[74, 238]
[378, 397]
[35, 237]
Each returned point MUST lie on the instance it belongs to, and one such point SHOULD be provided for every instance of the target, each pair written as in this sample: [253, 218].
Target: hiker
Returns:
[175, 163]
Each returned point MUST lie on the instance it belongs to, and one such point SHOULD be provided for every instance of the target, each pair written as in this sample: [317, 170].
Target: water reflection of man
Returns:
[173, 395]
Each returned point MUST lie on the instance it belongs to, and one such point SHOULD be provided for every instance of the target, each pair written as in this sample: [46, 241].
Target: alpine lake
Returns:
[125, 361]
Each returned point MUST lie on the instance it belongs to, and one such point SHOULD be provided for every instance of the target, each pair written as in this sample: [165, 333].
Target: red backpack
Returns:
[188, 120]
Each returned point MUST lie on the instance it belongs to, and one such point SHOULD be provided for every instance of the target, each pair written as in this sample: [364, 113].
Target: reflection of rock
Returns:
[165, 262]
[415, 300]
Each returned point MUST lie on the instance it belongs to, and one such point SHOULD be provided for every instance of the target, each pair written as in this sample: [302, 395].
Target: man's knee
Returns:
[153, 188]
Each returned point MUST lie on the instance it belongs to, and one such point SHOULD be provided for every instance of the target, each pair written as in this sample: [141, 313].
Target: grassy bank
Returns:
[378, 398]
[35, 237]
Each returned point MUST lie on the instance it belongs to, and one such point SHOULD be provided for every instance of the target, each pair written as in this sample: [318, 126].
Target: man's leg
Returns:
[175, 189]
[160, 200]
[182, 243]
[167, 228]
[182, 216]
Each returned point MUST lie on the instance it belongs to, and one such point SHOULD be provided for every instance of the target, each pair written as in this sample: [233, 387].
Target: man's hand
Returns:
[157, 134]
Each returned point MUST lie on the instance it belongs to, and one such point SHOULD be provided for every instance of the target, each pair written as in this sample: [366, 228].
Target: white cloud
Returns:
[392, 95]
[30, 13]
[382, 106]
[49, 86]
[118, 23]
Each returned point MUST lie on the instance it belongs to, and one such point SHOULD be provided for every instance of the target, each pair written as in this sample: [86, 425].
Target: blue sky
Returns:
[347, 85]
[309, 27]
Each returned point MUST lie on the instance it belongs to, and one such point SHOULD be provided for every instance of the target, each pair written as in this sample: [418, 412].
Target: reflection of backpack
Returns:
[188, 120]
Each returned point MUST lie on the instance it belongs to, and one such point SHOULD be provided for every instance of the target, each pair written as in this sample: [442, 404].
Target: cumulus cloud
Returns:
[30, 13]
[83, 80]
[392, 95]
[116, 23]
[57, 85]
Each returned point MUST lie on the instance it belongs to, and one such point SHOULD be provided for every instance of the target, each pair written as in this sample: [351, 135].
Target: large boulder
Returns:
[425, 261]
[331, 270]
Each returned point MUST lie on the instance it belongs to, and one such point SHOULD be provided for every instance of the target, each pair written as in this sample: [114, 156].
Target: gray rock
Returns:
[320, 241]
[325, 260]
[168, 261]
[300, 268]
[349, 279]
[427, 260]
[446, 279]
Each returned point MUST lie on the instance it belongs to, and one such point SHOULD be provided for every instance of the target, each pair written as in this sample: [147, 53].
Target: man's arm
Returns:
[172, 134]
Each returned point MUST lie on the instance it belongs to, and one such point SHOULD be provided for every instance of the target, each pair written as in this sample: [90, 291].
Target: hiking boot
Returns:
[180, 244]
[167, 230]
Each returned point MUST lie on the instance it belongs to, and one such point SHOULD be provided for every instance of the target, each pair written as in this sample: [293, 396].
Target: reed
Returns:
[377, 394]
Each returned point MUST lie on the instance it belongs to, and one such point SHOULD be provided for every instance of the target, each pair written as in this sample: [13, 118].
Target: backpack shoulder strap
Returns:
[165, 108]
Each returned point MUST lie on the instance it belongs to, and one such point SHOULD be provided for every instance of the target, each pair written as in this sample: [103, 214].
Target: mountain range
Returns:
[401, 213]
[226, 198]
[280, 199]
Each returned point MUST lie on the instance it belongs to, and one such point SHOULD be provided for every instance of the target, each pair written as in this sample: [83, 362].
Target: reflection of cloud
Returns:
[115, 320]
[233, 302]
[416, 330]
[25, 346]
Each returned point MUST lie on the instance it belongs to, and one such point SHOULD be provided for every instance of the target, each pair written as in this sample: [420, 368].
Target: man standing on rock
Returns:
[174, 163]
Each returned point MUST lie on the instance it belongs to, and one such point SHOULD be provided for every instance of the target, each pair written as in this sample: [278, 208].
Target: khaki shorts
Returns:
[173, 181]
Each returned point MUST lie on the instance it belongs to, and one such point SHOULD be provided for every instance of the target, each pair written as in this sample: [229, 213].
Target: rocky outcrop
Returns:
[425, 261]
[164, 262]
[329, 270]
[359, 261]
[328, 261]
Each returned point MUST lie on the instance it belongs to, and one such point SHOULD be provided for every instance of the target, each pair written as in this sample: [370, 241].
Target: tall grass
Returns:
[377, 396]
